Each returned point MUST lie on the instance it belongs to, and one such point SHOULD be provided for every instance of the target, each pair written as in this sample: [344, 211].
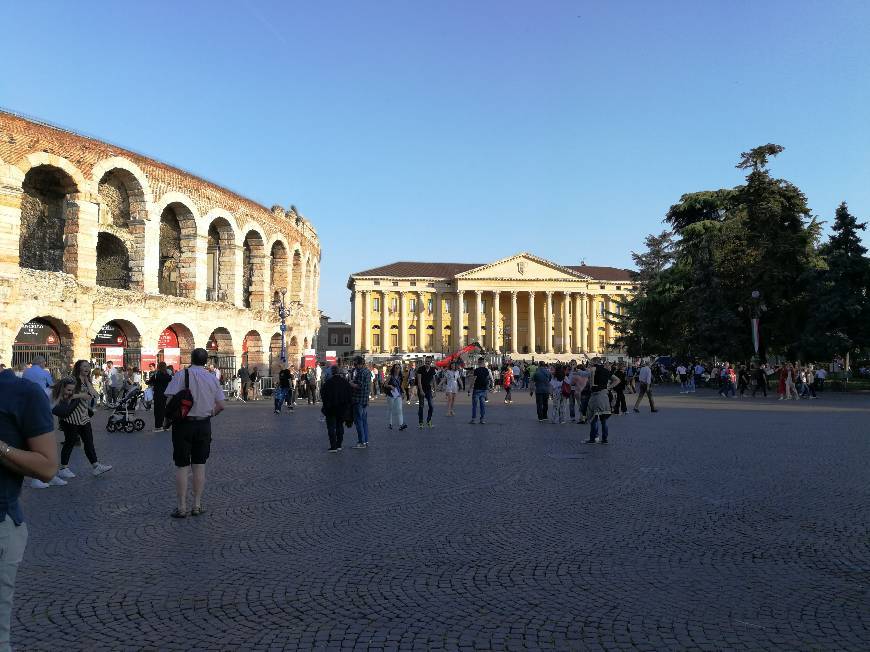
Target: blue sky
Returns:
[460, 131]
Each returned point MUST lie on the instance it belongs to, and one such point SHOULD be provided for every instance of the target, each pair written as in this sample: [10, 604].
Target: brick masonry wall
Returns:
[116, 191]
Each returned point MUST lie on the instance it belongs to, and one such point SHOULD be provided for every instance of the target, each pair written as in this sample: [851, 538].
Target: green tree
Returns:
[840, 312]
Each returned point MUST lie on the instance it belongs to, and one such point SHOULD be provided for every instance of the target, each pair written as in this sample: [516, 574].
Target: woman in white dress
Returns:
[451, 387]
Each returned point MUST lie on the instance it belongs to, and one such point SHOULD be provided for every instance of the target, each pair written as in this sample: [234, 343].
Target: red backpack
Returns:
[566, 389]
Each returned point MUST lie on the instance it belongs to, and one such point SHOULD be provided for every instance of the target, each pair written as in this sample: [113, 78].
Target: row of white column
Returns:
[582, 337]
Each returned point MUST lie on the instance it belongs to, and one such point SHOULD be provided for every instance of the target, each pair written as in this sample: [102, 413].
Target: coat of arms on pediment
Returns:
[521, 267]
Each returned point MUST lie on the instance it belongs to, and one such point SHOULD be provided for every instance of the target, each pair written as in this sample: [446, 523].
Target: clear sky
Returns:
[457, 130]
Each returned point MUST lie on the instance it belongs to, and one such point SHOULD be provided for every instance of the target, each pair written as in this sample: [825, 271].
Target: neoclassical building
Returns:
[105, 253]
[519, 305]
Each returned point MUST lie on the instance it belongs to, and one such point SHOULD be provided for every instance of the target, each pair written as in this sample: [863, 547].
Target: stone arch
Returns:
[39, 159]
[221, 352]
[315, 283]
[220, 261]
[113, 262]
[296, 276]
[46, 336]
[275, 361]
[306, 282]
[253, 270]
[176, 268]
[47, 220]
[129, 167]
[293, 351]
[118, 333]
[175, 336]
[252, 350]
[278, 267]
[123, 212]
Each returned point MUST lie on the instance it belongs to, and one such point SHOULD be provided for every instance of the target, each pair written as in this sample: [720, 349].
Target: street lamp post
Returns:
[281, 309]
[756, 307]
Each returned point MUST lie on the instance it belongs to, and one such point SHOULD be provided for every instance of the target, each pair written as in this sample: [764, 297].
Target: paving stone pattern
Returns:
[714, 524]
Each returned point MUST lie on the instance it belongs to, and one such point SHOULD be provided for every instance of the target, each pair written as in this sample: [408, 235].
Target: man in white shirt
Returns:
[644, 377]
[191, 436]
[681, 372]
[821, 374]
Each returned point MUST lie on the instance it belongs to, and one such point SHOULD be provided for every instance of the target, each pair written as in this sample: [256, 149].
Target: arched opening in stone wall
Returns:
[307, 284]
[122, 207]
[221, 353]
[220, 255]
[315, 283]
[119, 341]
[293, 351]
[177, 265]
[113, 262]
[296, 279]
[277, 270]
[47, 337]
[275, 361]
[46, 219]
[174, 345]
[252, 351]
[253, 271]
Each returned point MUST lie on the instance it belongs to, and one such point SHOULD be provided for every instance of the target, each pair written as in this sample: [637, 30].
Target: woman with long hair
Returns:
[451, 387]
[394, 397]
[77, 410]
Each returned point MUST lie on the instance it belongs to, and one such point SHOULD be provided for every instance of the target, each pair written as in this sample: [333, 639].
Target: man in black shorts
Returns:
[191, 436]
[425, 379]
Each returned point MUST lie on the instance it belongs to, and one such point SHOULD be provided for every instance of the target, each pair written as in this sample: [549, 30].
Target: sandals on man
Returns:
[178, 514]
[196, 511]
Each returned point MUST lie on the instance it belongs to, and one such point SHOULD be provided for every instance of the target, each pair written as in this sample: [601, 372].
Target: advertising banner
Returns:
[172, 357]
[310, 358]
[115, 355]
[148, 357]
[330, 358]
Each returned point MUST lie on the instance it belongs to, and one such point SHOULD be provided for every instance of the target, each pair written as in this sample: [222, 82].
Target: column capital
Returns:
[549, 293]
[478, 292]
[514, 294]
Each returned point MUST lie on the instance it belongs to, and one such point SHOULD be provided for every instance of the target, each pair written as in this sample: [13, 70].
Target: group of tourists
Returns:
[794, 380]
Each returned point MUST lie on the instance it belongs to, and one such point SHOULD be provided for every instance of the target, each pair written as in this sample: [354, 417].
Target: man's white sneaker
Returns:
[66, 473]
[57, 482]
[36, 483]
[99, 469]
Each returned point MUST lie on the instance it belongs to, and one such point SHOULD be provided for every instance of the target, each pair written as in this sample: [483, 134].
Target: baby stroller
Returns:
[122, 417]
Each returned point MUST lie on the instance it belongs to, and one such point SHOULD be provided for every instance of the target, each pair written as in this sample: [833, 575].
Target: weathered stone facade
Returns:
[93, 235]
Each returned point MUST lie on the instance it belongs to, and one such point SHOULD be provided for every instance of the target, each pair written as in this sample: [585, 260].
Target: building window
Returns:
[447, 305]
[377, 304]
[431, 285]
[346, 339]
[413, 284]
[429, 306]
[412, 306]
[396, 284]
[412, 340]
[430, 342]
[394, 339]
[465, 306]
[483, 306]
[376, 340]
[600, 307]
[618, 287]
[601, 286]
[394, 304]
[333, 338]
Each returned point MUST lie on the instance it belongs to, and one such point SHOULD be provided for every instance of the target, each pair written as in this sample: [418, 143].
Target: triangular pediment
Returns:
[521, 267]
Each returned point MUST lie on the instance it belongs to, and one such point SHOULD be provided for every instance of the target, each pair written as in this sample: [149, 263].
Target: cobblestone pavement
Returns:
[714, 524]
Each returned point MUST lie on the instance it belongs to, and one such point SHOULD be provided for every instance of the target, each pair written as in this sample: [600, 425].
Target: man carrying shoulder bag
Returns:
[193, 396]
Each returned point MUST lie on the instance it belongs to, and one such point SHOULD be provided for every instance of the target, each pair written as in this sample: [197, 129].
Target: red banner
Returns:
[167, 340]
[115, 355]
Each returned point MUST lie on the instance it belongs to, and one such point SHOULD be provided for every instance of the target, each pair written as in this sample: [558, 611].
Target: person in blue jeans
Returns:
[360, 387]
[482, 383]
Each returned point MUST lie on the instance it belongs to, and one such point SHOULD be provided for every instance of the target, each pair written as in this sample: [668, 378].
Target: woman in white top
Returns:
[451, 387]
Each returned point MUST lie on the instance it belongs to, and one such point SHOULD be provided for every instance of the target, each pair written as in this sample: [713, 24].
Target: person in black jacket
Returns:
[619, 405]
[336, 407]
[159, 381]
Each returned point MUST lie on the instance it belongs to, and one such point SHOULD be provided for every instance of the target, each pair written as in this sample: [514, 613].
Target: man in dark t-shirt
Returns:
[482, 383]
[282, 391]
[425, 379]
[27, 447]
